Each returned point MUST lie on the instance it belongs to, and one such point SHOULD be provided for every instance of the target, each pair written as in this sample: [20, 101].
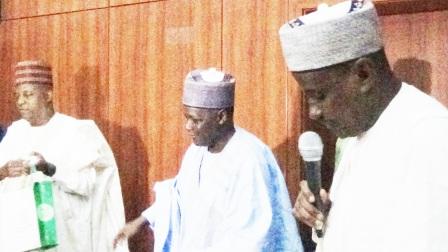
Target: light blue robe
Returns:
[235, 200]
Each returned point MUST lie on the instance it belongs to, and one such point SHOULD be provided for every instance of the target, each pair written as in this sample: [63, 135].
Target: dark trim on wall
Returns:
[394, 7]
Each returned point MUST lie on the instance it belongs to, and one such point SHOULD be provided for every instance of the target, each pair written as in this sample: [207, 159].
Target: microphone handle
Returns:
[313, 177]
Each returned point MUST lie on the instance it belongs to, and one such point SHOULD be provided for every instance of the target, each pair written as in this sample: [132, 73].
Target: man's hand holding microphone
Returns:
[313, 203]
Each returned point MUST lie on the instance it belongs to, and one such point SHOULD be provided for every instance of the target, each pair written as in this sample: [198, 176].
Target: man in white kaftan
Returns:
[229, 194]
[389, 189]
[87, 192]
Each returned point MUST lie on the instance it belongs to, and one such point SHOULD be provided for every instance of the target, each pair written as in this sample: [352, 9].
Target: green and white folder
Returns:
[43, 196]
[27, 219]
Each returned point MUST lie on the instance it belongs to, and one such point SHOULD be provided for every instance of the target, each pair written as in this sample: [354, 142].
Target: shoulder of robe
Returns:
[431, 129]
[18, 124]
[89, 128]
[80, 128]
[251, 144]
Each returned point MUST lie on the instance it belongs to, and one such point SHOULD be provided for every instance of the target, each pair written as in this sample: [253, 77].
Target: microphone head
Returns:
[310, 146]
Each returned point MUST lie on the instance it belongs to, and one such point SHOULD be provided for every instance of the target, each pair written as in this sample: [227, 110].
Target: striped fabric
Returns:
[33, 72]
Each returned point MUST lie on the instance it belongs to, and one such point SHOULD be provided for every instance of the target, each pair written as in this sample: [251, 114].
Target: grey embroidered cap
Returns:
[209, 88]
[331, 35]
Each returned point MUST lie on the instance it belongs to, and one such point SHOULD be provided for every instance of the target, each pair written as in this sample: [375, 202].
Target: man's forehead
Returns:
[320, 78]
[189, 109]
[198, 111]
[310, 79]
[29, 87]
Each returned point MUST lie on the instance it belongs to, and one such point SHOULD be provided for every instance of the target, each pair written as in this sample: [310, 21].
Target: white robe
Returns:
[235, 200]
[87, 193]
[390, 190]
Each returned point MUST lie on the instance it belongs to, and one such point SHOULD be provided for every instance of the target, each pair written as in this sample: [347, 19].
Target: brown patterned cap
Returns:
[33, 72]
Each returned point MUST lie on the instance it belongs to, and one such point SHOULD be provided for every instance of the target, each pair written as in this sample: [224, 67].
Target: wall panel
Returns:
[252, 53]
[8, 111]
[413, 52]
[74, 44]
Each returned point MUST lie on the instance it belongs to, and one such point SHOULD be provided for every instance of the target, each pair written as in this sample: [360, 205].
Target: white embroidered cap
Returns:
[331, 35]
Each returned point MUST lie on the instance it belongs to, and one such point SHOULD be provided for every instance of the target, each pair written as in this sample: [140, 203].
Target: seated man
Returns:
[87, 193]
[229, 194]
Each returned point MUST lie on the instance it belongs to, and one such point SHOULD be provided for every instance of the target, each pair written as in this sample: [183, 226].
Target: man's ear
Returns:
[49, 95]
[364, 70]
[223, 116]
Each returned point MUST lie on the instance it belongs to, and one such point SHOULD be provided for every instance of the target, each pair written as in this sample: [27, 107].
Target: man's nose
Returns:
[20, 100]
[315, 112]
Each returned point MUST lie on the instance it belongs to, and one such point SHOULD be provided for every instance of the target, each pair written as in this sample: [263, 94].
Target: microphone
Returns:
[311, 149]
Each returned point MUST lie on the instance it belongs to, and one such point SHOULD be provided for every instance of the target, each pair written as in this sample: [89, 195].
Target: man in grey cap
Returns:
[389, 189]
[229, 194]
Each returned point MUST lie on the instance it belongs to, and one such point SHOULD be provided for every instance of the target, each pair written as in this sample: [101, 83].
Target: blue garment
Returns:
[235, 200]
[2, 133]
